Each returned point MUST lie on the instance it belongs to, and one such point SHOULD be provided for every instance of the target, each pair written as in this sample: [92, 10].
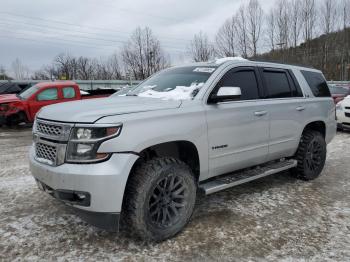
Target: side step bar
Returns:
[245, 176]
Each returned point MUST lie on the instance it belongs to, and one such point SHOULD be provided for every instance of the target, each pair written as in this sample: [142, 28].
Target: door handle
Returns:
[260, 113]
[300, 108]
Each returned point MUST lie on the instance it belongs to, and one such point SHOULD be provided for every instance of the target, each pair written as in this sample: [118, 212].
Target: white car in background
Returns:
[343, 113]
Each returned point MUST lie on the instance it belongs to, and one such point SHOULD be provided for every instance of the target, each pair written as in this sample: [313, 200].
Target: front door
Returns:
[43, 98]
[238, 131]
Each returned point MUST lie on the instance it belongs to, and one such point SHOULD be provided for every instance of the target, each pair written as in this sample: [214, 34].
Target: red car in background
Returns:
[339, 92]
[18, 108]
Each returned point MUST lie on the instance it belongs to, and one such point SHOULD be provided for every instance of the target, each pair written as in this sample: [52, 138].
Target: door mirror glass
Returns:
[226, 93]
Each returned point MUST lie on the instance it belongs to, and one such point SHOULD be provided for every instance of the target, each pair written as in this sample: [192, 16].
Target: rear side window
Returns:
[277, 84]
[48, 94]
[317, 83]
[245, 79]
[68, 92]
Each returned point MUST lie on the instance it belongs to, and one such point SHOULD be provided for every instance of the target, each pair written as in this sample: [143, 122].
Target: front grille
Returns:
[347, 114]
[49, 129]
[347, 107]
[45, 153]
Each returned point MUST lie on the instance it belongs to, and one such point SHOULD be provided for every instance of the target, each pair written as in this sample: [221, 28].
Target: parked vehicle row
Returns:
[206, 126]
[343, 113]
[22, 107]
[339, 91]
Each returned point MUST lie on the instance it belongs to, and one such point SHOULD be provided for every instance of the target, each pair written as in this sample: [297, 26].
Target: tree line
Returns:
[287, 32]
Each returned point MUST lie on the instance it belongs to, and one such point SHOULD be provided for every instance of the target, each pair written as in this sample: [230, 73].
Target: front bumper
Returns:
[103, 182]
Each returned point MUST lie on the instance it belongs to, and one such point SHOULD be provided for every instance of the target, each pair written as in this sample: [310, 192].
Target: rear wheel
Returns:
[160, 198]
[311, 155]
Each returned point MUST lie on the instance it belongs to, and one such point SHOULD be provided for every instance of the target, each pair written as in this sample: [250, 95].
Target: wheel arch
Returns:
[183, 150]
[317, 125]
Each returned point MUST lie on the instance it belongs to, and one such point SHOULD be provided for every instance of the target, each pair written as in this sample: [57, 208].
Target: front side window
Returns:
[176, 83]
[277, 84]
[244, 79]
[48, 94]
[68, 92]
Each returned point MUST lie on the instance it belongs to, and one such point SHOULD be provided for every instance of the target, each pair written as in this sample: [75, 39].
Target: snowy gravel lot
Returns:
[273, 218]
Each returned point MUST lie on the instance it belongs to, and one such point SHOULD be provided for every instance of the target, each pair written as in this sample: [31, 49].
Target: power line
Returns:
[78, 36]
[80, 26]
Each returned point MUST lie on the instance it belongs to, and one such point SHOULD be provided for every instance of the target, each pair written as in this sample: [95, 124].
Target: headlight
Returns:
[85, 141]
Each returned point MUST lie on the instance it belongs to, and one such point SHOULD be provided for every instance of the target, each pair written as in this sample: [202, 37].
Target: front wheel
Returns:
[311, 155]
[160, 198]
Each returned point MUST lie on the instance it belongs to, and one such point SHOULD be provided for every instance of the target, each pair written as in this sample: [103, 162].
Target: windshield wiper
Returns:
[130, 95]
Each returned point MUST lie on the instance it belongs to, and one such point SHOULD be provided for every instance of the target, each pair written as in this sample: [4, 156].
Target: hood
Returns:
[8, 98]
[90, 110]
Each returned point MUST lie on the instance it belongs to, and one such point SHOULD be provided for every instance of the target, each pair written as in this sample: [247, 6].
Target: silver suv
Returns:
[204, 127]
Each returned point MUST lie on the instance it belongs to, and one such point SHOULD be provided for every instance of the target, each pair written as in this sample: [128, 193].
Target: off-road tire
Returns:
[144, 186]
[311, 155]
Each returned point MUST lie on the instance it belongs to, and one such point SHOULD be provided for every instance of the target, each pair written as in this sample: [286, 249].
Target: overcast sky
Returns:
[36, 31]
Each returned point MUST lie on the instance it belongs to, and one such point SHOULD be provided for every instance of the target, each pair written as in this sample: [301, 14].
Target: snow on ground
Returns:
[274, 218]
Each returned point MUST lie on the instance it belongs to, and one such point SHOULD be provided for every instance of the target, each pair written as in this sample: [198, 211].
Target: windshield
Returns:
[176, 83]
[25, 94]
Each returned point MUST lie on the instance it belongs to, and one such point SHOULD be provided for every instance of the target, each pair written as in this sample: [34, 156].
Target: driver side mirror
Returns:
[226, 93]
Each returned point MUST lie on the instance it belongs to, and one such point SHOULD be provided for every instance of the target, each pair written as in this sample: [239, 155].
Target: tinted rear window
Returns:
[317, 83]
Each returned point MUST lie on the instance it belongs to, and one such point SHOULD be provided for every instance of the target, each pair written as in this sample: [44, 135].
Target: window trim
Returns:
[234, 70]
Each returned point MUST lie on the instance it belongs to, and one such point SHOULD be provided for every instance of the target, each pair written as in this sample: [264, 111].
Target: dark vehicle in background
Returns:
[12, 88]
[339, 92]
[19, 108]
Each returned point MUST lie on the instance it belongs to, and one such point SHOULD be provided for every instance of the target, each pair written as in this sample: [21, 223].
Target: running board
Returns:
[245, 176]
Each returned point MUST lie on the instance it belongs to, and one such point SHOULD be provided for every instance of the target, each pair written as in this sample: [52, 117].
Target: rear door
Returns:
[287, 111]
[238, 131]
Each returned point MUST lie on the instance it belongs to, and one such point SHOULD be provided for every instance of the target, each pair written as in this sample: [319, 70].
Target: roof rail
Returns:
[264, 60]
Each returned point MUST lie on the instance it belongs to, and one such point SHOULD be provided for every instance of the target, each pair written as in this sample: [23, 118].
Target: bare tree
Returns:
[255, 19]
[282, 23]
[143, 54]
[308, 12]
[345, 13]
[66, 66]
[3, 75]
[114, 66]
[328, 15]
[226, 40]
[294, 7]
[271, 29]
[85, 68]
[241, 31]
[200, 49]
[20, 71]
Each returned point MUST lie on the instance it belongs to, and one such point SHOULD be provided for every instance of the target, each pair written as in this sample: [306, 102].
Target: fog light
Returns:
[80, 196]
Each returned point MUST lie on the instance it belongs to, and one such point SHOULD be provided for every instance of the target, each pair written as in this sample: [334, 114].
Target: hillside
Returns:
[329, 53]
